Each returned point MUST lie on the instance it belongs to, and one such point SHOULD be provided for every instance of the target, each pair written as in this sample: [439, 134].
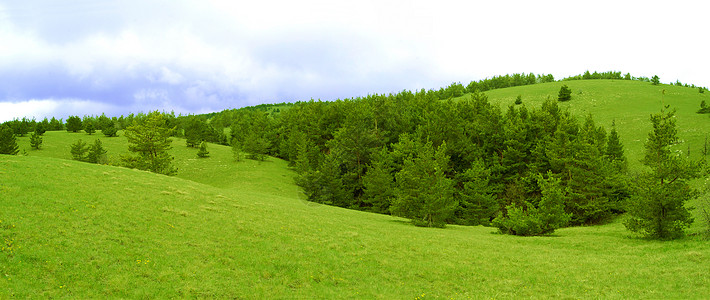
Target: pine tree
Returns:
[477, 204]
[78, 150]
[424, 193]
[565, 93]
[237, 150]
[202, 150]
[378, 183]
[150, 141]
[539, 219]
[74, 124]
[657, 210]
[8, 142]
[35, 140]
[655, 80]
[110, 129]
[97, 153]
[89, 127]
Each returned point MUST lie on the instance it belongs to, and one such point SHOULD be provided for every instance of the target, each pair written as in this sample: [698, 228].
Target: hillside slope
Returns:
[628, 103]
[78, 230]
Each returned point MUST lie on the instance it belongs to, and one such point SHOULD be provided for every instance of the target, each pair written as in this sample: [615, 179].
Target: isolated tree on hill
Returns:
[97, 153]
[565, 94]
[704, 108]
[202, 150]
[79, 150]
[74, 124]
[150, 141]
[657, 210]
[655, 80]
[35, 140]
[8, 142]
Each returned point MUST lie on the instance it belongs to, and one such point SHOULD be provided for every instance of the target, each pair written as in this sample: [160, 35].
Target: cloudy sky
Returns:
[87, 57]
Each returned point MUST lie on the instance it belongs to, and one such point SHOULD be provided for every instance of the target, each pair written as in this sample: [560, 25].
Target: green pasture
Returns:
[226, 229]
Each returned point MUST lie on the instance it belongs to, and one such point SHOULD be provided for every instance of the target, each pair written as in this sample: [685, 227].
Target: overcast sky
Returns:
[60, 58]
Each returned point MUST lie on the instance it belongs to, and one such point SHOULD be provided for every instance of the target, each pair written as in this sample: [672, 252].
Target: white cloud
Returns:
[201, 56]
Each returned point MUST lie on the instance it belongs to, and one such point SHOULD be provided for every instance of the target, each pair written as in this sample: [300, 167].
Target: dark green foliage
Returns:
[324, 184]
[79, 150]
[42, 127]
[55, 125]
[423, 192]
[565, 93]
[74, 124]
[540, 219]
[378, 183]
[89, 127]
[256, 147]
[704, 108]
[8, 142]
[477, 203]
[202, 150]
[236, 150]
[701, 90]
[35, 140]
[655, 80]
[657, 210]
[97, 153]
[109, 129]
[150, 141]
[519, 100]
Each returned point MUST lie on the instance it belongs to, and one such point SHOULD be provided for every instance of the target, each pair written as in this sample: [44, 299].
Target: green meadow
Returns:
[226, 229]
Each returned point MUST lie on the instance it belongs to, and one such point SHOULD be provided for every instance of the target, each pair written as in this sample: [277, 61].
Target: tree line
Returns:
[423, 156]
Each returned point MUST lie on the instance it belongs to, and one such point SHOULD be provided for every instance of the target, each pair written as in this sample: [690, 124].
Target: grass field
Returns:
[628, 103]
[240, 230]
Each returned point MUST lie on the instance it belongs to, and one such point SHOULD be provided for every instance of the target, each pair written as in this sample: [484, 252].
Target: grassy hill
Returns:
[629, 103]
[240, 230]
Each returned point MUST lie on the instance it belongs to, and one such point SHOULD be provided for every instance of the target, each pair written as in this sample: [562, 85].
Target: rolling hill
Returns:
[241, 230]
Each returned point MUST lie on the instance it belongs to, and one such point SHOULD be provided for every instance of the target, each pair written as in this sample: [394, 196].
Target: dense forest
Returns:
[423, 155]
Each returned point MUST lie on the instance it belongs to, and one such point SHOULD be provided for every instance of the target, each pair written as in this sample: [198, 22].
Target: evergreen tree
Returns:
[704, 108]
[55, 125]
[378, 183]
[539, 219]
[519, 100]
[150, 141]
[202, 150]
[657, 210]
[565, 94]
[236, 150]
[324, 184]
[256, 147]
[8, 142]
[89, 127]
[35, 140]
[74, 124]
[79, 150]
[110, 129]
[477, 203]
[655, 80]
[424, 193]
[97, 153]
